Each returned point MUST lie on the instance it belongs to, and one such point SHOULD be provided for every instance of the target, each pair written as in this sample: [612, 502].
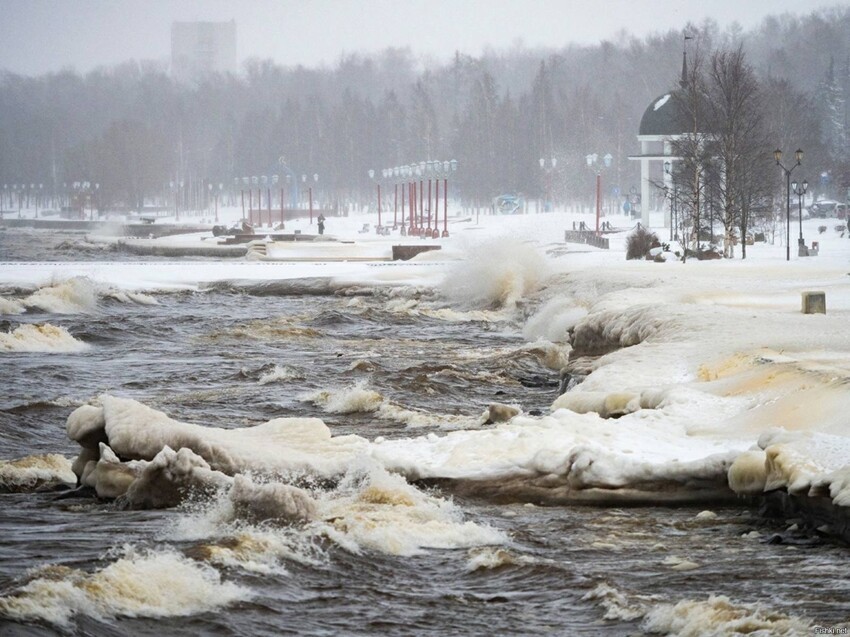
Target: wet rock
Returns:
[498, 412]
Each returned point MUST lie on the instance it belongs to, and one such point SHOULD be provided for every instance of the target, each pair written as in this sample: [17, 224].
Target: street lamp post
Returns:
[674, 195]
[448, 166]
[421, 209]
[378, 184]
[798, 155]
[800, 190]
[429, 171]
[593, 161]
[402, 173]
[394, 173]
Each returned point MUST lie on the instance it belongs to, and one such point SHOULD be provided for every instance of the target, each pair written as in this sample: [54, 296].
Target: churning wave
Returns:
[40, 338]
[77, 295]
[155, 583]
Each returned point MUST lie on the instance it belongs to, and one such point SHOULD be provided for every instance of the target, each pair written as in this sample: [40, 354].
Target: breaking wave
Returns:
[368, 510]
[11, 306]
[280, 374]
[78, 295]
[718, 615]
[40, 338]
[359, 398]
[375, 510]
[139, 584]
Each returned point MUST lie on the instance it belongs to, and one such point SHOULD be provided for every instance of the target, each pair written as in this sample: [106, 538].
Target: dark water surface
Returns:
[200, 357]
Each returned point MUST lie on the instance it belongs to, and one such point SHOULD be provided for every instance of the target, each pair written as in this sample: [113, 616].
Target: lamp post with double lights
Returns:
[798, 155]
[593, 162]
[553, 162]
[800, 190]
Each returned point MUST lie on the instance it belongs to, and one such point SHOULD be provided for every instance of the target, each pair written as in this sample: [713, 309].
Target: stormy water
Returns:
[234, 357]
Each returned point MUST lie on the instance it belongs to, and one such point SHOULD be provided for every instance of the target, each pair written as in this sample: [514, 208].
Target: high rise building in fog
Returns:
[199, 49]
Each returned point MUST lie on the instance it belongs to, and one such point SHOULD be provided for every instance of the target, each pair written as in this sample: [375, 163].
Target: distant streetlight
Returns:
[798, 155]
[593, 162]
[800, 190]
[371, 174]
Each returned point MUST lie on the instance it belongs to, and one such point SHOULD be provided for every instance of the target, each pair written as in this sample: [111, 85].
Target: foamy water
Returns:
[40, 338]
[151, 584]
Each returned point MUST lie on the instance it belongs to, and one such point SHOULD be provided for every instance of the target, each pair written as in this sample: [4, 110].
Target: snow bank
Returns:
[33, 472]
[285, 445]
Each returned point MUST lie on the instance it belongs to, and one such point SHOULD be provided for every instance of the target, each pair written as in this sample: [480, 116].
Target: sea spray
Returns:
[496, 275]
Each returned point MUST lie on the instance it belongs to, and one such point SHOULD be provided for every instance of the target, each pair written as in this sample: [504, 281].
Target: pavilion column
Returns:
[644, 192]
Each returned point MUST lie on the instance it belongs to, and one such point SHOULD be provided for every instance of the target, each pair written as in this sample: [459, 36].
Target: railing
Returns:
[588, 237]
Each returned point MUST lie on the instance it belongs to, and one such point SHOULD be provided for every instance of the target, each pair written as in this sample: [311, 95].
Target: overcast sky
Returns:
[37, 36]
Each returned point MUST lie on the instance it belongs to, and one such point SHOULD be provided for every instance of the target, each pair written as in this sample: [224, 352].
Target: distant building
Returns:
[664, 122]
[200, 49]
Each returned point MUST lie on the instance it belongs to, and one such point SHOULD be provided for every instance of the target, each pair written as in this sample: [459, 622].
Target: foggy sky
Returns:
[38, 36]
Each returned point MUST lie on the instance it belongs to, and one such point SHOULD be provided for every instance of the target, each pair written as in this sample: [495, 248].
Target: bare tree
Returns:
[739, 141]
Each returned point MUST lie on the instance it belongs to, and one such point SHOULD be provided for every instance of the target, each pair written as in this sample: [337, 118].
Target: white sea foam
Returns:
[718, 615]
[368, 510]
[358, 398]
[11, 306]
[76, 295]
[493, 557]
[617, 605]
[40, 338]
[257, 549]
[280, 374]
[139, 584]
[355, 399]
[32, 472]
[378, 511]
[130, 297]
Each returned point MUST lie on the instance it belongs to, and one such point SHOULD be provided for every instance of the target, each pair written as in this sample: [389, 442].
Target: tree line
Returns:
[136, 132]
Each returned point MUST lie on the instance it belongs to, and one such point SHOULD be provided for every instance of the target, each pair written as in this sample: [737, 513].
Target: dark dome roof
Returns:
[663, 116]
